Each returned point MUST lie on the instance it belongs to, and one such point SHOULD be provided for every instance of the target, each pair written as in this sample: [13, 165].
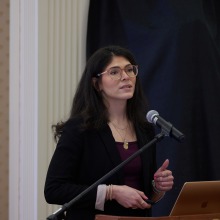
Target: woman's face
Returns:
[120, 89]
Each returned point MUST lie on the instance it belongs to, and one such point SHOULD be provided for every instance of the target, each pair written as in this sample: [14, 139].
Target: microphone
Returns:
[153, 117]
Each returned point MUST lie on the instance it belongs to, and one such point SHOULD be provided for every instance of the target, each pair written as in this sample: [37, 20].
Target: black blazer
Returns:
[81, 158]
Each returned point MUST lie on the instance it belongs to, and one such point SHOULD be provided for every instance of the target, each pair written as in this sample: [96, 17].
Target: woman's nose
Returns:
[124, 75]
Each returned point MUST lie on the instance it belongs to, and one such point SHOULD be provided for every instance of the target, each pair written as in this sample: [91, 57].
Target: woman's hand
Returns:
[163, 178]
[129, 197]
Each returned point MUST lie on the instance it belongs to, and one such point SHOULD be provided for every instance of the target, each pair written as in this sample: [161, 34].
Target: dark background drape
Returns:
[177, 45]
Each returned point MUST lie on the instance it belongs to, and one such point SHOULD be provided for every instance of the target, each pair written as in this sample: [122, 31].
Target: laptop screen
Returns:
[202, 197]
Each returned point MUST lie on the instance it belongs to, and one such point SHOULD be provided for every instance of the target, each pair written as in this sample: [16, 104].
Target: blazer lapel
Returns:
[110, 145]
[142, 140]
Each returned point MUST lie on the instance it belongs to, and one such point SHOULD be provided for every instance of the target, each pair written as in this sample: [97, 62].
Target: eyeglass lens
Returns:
[116, 72]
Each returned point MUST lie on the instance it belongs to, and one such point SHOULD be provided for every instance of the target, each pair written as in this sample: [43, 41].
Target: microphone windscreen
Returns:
[150, 116]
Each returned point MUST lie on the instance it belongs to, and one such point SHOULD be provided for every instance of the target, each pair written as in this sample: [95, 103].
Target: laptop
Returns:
[202, 197]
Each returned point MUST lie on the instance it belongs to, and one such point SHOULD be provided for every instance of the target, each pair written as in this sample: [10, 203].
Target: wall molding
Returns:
[23, 121]
[47, 56]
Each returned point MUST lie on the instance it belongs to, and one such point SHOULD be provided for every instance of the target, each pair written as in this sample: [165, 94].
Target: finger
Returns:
[141, 194]
[165, 188]
[163, 167]
[144, 204]
[165, 185]
[165, 176]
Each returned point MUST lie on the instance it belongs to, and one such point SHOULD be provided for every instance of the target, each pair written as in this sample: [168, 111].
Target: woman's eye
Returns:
[130, 69]
[114, 72]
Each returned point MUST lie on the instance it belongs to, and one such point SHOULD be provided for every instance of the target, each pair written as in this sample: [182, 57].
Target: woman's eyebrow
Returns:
[119, 66]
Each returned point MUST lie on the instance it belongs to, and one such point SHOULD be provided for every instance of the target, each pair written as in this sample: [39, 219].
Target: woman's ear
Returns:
[95, 84]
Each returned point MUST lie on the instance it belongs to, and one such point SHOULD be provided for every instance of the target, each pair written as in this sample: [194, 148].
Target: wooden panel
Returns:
[215, 216]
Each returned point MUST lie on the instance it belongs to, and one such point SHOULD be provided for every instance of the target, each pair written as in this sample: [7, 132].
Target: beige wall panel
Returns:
[47, 57]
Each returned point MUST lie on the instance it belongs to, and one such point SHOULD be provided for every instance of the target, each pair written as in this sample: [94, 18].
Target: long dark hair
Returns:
[88, 103]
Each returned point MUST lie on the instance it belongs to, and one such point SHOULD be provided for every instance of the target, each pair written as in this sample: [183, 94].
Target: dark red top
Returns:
[132, 170]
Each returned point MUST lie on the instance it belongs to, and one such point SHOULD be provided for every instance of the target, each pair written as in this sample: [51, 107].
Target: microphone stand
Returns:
[59, 214]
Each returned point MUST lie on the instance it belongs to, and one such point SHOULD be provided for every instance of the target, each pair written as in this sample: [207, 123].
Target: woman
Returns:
[107, 125]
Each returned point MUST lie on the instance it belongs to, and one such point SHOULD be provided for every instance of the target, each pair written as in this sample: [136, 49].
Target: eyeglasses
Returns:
[116, 72]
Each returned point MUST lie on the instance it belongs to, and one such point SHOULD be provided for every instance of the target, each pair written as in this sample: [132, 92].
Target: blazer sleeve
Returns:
[61, 180]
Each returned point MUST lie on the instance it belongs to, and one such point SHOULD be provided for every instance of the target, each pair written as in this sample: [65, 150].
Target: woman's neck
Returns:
[118, 114]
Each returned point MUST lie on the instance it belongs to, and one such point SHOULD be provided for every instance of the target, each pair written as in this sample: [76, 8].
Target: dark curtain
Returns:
[177, 45]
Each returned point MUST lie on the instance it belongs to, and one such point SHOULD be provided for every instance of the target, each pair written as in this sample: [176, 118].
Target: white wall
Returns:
[47, 56]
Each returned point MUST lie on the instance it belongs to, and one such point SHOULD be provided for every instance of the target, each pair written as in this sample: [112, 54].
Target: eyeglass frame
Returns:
[107, 71]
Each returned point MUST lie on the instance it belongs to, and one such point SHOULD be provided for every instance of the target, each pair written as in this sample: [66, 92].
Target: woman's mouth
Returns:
[126, 86]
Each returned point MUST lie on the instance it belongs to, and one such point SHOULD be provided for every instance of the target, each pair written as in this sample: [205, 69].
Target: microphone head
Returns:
[150, 116]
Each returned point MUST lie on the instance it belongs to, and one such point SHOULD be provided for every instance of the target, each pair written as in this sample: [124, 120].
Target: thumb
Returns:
[164, 165]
